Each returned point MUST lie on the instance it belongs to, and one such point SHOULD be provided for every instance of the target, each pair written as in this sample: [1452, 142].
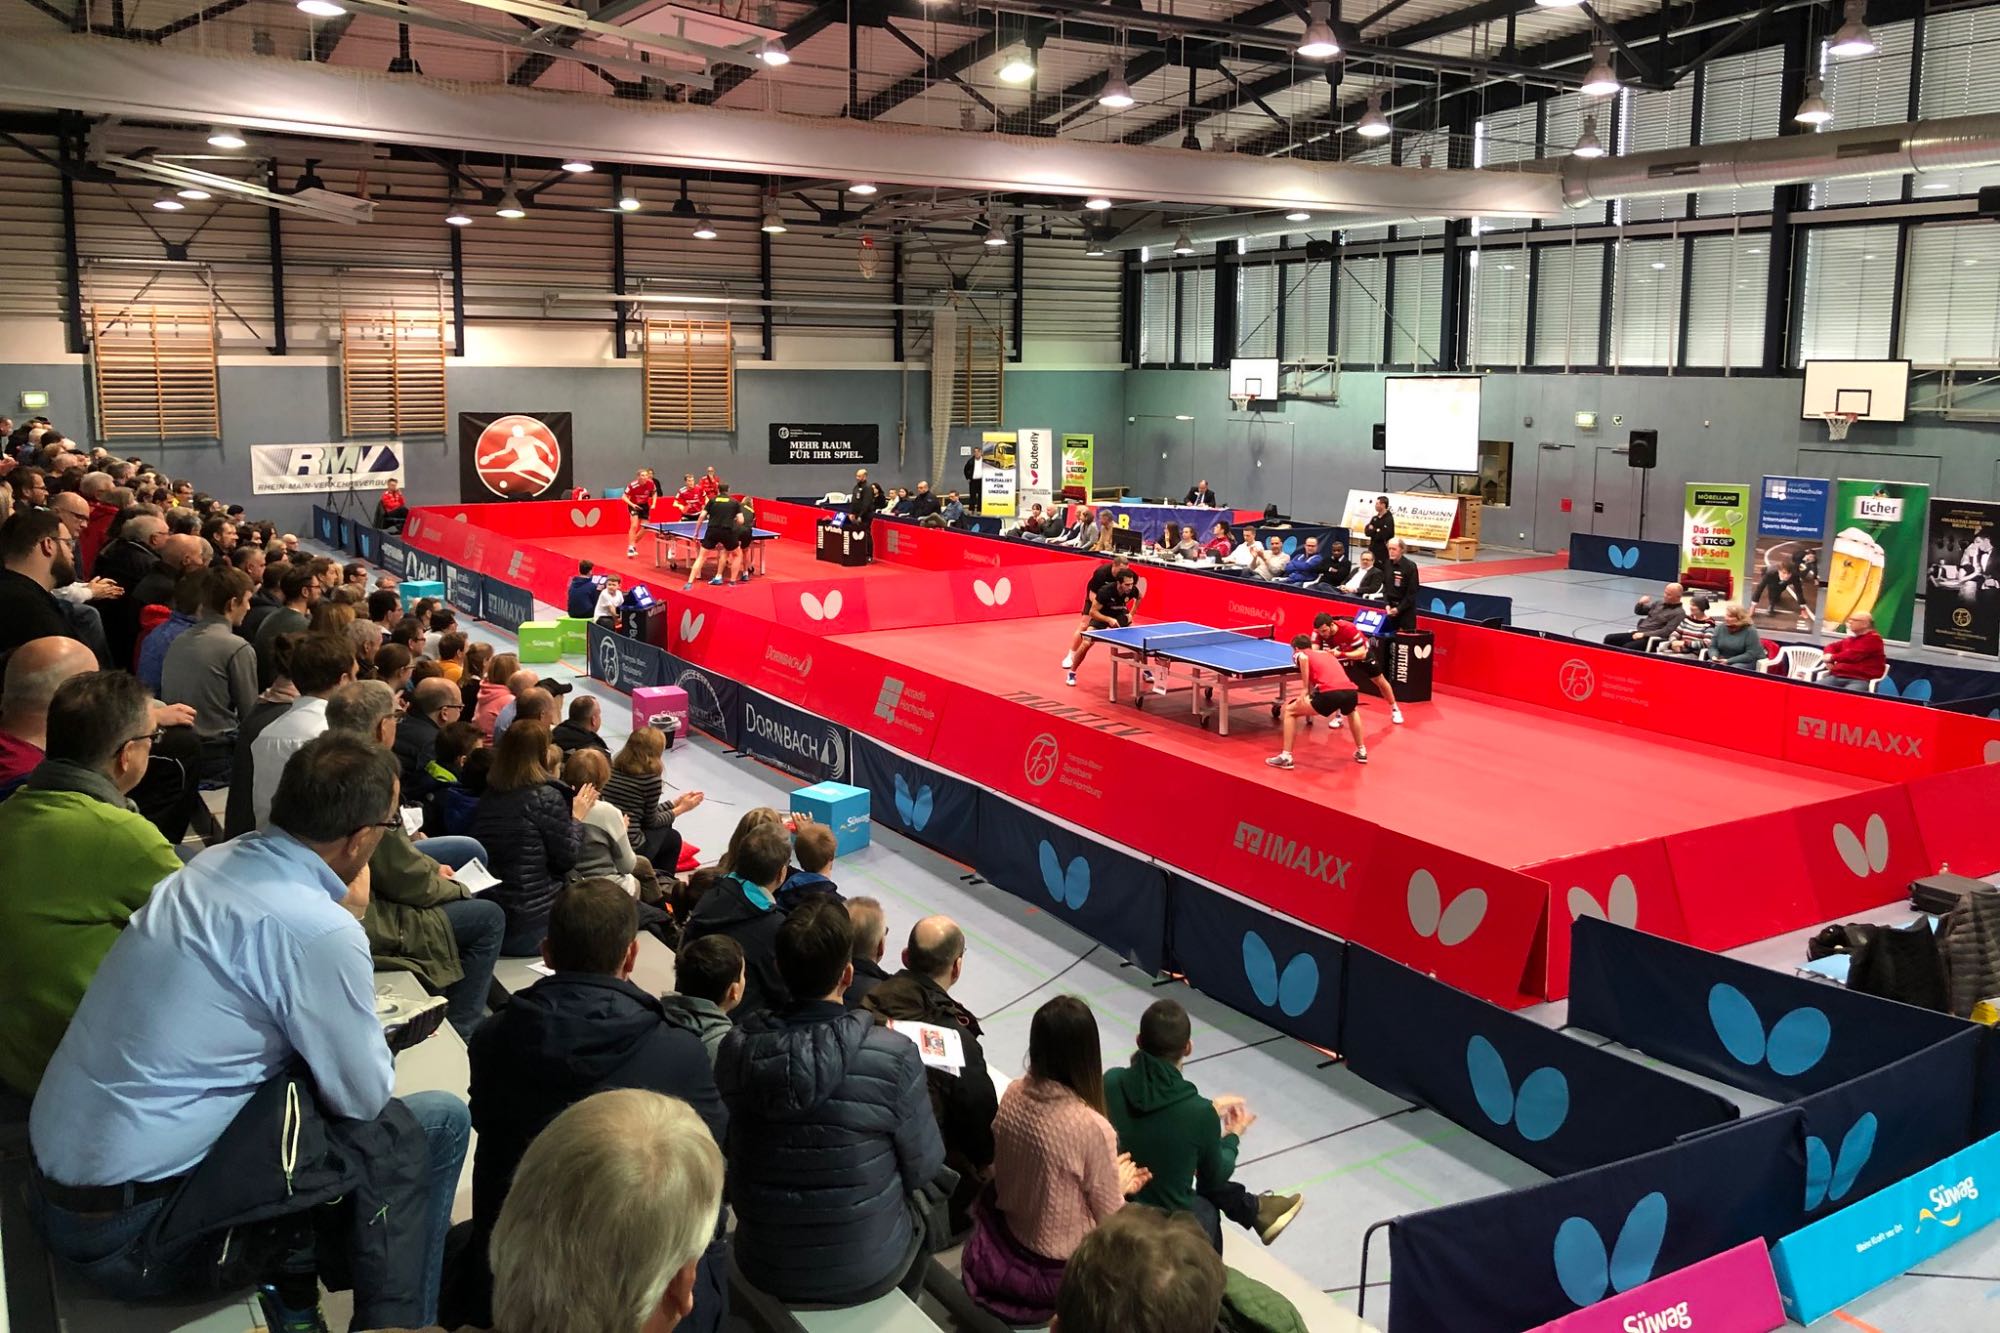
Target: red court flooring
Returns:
[1509, 783]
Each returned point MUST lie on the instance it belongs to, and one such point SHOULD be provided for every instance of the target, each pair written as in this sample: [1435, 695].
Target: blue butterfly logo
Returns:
[1455, 609]
[1290, 992]
[1623, 557]
[1588, 1274]
[1796, 1041]
[1829, 1177]
[1918, 691]
[1291, 545]
[1538, 1110]
[914, 809]
[1069, 885]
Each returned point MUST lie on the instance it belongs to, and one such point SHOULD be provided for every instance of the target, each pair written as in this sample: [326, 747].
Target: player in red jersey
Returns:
[1346, 641]
[640, 493]
[689, 499]
[1327, 691]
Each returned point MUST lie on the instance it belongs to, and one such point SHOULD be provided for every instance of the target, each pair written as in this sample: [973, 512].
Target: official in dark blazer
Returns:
[1339, 568]
[1399, 587]
[1380, 531]
[1200, 494]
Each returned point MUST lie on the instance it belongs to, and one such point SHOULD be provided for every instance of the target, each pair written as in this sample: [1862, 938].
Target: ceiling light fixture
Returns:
[510, 206]
[1813, 108]
[862, 187]
[684, 206]
[1183, 247]
[168, 204]
[226, 136]
[1097, 203]
[1093, 248]
[773, 53]
[1318, 43]
[628, 201]
[1117, 93]
[1602, 79]
[1853, 37]
[322, 9]
[455, 214]
[1587, 143]
[704, 230]
[773, 224]
[194, 192]
[577, 166]
[1374, 125]
[1019, 66]
[1298, 215]
[996, 236]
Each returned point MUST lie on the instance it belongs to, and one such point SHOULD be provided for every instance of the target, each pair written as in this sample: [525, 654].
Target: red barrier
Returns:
[1742, 881]
[1632, 885]
[1861, 850]
[529, 518]
[945, 548]
[1955, 813]
[792, 522]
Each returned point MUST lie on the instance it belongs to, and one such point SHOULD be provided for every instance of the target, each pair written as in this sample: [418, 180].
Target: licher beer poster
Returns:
[1876, 562]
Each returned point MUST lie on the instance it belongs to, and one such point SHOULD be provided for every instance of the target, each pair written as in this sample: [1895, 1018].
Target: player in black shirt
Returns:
[726, 536]
[1108, 603]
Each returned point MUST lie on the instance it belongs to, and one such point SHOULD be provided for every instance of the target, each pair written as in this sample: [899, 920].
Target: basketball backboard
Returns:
[1867, 390]
[1254, 379]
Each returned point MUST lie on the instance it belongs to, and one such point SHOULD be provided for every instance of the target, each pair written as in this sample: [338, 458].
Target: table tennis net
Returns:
[1191, 639]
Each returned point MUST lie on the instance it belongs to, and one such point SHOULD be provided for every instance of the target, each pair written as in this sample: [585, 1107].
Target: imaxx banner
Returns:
[1715, 531]
[1878, 552]
[1962, 601]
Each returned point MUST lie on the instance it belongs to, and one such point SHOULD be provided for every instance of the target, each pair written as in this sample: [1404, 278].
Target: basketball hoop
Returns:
[1838, 422]
[1242, 401]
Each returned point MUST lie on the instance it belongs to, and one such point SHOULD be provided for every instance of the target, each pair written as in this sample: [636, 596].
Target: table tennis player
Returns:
[1344, 639]
[1108, 605]
[640, 492]
[726, 536]
[1327, 691]
[689, 499]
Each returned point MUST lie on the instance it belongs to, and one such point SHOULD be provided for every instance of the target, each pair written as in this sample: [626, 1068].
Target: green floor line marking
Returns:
[1411, 1186]
[1363, 1165]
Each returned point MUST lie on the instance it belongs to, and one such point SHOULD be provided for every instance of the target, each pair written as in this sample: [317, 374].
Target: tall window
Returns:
[1361, 311]
[1156, 318]
[1741, 99]
[1961, 51]
[1257, 310]
[1197, 316]
[1951, 294]
[1416, 314]
[1874, 91]
[1308, 310]
[1500, 140]
[1654, 120]
[1646, 303]
[1569, 304]
[1726, 300]
[1850, 293]
[1496, 308]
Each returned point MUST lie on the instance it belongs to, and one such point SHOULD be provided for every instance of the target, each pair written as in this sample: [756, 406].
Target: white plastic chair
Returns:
[1876, 683]
[1801, 661]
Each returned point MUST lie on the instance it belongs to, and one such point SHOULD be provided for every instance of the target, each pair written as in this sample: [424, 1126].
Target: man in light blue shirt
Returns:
[251, 957]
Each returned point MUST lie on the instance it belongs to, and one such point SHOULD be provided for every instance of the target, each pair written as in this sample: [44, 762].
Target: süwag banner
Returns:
[1878, 554]
[1034, 468]
[792, 442]
[1078, 466]
[313, 469]
[513, 456]
[785, 737]
[1715, 531]
[1421, 519]
[1962, 596]
[1791, 552]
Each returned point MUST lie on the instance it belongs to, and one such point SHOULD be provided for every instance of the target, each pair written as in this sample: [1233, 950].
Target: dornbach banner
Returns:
[791, 442]
[1962, 594]
[513, 456]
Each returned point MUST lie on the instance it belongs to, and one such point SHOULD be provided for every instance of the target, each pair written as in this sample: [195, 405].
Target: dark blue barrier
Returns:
[800, 743]
[1518, 1259]
[343, 533]
[1267, 966]
[462, 589]
[919, 801]
[1116, 899]
[506, 605]
[326, 526]
[1656, 562]
[1465, 605]
[715, 702]
[1967, 689]
[1983, 705]
[422, 565]
[625, 664]
[1556, 1103]
[368, 543]
[1873, 1130]
[1776, 1035]
[395, 556]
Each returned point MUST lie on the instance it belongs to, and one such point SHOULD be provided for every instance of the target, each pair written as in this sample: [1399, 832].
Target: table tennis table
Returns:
[1215, 662]
[676, 544]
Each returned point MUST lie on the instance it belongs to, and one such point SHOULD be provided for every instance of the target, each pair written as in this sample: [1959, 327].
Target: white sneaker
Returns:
[1361, 755]
[1280, 760]
[1396, 714]
[1069, 678]
[631, 550]
[1069, 661]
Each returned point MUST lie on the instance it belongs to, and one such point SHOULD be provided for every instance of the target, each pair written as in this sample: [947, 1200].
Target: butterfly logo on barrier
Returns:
[1422, 650]
[1830, 1177]
[1623, 557]
[1866, 855]
[582, 518]
[1068, 885]
[1291, 546]
[913, 808]
[691, 625]
[1453, 609]
[1794, 1044]
[820, 608]
[1588, 1274]
[1918, 691]
[1992, 752]
[1538, 1109]
[1431, 918]
[1290, 992]
[1620, 906]
[992, 594]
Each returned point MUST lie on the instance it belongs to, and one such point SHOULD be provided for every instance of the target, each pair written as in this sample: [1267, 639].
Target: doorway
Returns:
[1555, 504]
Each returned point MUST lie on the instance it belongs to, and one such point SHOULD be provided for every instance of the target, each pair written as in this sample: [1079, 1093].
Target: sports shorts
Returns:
[1328, 702]
[719, 538]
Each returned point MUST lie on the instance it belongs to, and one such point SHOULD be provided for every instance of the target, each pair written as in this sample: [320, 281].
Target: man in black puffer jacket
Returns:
[585, 1030]
[830, 1130]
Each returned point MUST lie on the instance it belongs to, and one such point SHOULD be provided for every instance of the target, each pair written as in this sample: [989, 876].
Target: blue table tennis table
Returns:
[1215, 661]
[675, 544]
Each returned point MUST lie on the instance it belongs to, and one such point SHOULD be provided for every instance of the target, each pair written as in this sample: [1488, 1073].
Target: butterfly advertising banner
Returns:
[1791, 552]
[1715, 531]
[1876, 565]
[513, 456]
[1962, 600]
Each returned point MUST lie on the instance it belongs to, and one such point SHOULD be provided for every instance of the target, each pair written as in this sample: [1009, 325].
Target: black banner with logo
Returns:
[800, 743]
[326, 526]
[793, 443]
[715, 702]
[462, 590]
[395, 556]
[505, 605]
[623, 663]
[513, 456]
[1962, 577]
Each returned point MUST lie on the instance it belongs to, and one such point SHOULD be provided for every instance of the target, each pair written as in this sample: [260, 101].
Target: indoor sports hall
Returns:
[947, 668]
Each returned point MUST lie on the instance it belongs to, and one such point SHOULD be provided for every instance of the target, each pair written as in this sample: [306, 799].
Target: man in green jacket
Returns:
[1188, 1142]
[77, 860]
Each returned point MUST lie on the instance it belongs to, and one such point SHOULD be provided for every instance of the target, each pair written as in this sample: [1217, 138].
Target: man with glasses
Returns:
[434, 705]
[233, 1016]
[100, 735]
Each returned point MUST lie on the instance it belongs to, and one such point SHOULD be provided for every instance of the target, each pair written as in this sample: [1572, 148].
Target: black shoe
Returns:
[279, 1319]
